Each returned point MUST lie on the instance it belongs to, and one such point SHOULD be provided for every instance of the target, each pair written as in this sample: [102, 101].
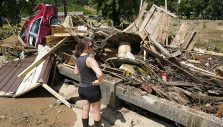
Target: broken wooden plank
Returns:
[56, 95]
[21, 41]
[192, 42]
[174, 65]
[166, 11]
[58, 29]
[37, 74]
[220, 111]
[160, 47]
[141, 13]
[153, 24]
[197, 68]
[162, 34]
[61, 35]
[182, 32]
[187, 45]
[179, 83]
[139, 18]
[40, 60]
[73, 34]
[146, 20]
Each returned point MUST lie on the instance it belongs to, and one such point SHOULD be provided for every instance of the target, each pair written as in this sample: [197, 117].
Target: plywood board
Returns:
[30, 81]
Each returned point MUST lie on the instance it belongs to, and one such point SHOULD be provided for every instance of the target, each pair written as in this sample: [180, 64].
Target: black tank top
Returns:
[87, 75]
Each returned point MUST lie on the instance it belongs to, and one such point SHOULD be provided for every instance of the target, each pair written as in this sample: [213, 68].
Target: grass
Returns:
[7, 31]
[78, 8]
[209, 36]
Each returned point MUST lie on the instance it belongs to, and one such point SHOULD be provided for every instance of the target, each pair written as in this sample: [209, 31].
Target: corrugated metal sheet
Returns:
[9, 82]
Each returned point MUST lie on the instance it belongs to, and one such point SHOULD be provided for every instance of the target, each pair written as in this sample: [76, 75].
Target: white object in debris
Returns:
[123, 49]
[82, 28]
[129, 55]
[200, 50]
[68, 22]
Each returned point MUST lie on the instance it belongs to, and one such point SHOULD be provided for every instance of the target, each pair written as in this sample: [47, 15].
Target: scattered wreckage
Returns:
[170, 78]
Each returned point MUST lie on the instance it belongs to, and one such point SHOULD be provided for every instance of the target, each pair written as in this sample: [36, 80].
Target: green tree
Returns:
[214, 9]
[117, 10]
[185, 8]
[1, 13]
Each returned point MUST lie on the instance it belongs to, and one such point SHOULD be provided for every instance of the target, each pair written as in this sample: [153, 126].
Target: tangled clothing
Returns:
[87, 75]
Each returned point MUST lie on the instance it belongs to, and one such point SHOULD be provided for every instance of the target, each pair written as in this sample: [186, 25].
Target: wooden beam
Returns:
[141, 13]
[166, 11]
[61, 35]
[21, 41]
[56, 95]
[160, 47]
[174, 65]
[147, 19]
[41, 59]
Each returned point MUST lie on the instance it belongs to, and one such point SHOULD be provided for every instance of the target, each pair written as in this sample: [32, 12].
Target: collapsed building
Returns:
[142, 66]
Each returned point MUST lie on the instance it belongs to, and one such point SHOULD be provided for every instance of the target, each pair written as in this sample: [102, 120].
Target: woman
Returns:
[89, 85]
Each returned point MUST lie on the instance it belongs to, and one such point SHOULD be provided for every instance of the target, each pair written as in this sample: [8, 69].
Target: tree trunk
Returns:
[1, 23]
[115, 14]
[65, 8]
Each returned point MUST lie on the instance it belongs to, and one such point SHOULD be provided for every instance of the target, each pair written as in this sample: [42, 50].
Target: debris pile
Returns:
[143, 57]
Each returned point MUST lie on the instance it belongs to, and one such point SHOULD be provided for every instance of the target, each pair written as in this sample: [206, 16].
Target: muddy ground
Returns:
[35, 109]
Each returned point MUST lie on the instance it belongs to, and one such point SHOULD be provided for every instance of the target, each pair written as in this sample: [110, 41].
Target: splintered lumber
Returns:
[214, 53]
[174, 65]
[196, 68]
[160, 47]
[82, 21]
[220, 111]
[56, 95]
[58, 29]
[152, 24]
[139, 18]
[21, 41]
[147, 18]
[182, 32]
[73, 34]
[179, 83]
[165, 11]
[61, 35]
[201, 71]
[141, 13]
[69, 59]
[205, 98]
[68, 21]
[163, 29]
[189, 43]
[36, 63]
[52, 40]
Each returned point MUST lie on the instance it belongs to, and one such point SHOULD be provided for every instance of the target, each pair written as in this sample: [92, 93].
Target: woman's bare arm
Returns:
[76, 71]
[92, 63]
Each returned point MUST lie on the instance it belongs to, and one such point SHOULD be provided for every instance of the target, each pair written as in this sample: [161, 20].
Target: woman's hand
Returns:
[96, 82]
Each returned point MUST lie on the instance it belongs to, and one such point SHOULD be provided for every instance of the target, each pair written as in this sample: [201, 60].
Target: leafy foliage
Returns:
[117, 10]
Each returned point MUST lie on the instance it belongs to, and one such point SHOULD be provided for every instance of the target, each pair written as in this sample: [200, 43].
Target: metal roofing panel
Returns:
[8, 75]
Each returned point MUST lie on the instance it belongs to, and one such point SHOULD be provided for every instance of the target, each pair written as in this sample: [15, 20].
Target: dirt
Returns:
[35, 111]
